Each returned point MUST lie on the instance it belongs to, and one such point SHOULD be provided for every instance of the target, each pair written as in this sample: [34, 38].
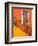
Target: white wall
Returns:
[37, 22]
[2, 14]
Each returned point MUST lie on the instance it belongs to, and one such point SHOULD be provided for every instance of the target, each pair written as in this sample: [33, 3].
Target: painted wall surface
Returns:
[2, 23]
[37, 22]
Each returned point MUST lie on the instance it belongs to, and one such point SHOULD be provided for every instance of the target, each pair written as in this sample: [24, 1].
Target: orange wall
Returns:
[17, 14]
